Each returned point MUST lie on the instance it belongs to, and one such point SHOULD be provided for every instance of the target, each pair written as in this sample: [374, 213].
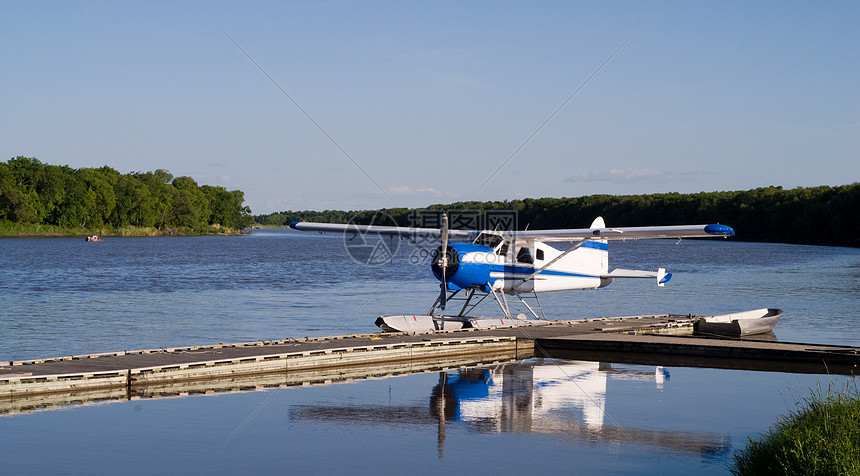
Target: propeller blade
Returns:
[445, 233]
[443, 263]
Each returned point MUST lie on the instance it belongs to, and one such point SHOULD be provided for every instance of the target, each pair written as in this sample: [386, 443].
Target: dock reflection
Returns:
[308, 376]
[557, 397]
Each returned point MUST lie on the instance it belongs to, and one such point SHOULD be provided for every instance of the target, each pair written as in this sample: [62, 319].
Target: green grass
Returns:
[822, 438]
[269, 227]
[27, 229]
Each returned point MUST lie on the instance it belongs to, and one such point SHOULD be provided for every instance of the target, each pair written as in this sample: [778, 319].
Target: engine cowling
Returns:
[464, 269]
[451, 268]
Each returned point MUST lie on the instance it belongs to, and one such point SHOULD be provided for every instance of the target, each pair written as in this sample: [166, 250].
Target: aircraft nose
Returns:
[453, 263]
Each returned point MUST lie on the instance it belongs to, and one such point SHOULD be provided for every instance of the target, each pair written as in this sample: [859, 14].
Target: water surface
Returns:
[63, 296]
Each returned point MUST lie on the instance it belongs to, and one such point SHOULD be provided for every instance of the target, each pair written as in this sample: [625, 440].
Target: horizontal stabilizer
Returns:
[661, 275]
[630, 273]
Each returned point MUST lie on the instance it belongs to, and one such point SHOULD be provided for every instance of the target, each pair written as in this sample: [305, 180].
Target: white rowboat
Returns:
[757, 321]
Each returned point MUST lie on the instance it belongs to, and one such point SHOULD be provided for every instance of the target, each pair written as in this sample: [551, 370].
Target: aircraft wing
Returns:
[571, 234]
[401, 231]
[628, 233]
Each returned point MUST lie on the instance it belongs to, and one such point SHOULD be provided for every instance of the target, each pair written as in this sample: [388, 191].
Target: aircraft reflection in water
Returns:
[561, 397]
[529, 397]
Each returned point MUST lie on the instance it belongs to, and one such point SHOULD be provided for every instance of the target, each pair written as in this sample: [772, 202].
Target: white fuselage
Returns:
[531, 266]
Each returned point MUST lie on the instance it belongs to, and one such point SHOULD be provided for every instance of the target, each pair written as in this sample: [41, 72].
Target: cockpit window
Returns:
[525, 256]
[488, 239]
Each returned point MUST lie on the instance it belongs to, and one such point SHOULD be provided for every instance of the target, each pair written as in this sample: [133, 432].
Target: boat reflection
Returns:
[548, 396]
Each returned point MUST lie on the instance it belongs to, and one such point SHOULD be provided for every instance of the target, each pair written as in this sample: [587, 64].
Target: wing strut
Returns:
[502, 302]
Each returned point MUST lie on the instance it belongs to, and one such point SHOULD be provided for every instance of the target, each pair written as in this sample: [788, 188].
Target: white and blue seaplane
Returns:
[476, 264]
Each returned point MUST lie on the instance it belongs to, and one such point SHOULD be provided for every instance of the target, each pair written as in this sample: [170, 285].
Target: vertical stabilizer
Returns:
[592, 257]
[604, 254]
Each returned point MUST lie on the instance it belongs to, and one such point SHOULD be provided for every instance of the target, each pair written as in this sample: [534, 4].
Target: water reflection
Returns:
[566, 399]
[304, 376]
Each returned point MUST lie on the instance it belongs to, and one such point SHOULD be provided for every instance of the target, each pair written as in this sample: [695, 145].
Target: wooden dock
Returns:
[692, 351]
[276, 363]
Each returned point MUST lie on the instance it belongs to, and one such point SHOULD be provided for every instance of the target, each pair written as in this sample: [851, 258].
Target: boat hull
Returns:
[758, 321]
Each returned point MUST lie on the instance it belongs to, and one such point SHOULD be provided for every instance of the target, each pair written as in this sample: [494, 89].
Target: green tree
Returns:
[226, 207]
[134, 203]
[98, 198]
[20, 182]
[277, 219]
[162, 192]
[190, 205]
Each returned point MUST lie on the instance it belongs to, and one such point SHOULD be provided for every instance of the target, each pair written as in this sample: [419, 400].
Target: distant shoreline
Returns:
[822, 216]
[50, 231]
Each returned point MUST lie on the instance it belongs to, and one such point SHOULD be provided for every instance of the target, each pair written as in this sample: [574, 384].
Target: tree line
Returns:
[33, 193]
[813, 215]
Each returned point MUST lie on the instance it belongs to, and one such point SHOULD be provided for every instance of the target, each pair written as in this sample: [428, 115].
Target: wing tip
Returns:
[720, 230]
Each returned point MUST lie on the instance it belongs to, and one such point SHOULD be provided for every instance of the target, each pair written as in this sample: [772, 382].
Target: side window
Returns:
[539, 254]
[524, 256]
[503, 250]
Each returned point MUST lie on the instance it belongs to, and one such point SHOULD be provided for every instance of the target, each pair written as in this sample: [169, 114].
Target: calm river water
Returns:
[67, 296]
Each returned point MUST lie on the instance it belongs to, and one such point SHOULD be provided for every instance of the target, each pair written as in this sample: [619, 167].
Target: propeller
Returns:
[443, 262]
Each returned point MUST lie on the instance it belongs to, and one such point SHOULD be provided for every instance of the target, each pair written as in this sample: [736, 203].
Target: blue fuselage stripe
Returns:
[595, 245]
[528, 271]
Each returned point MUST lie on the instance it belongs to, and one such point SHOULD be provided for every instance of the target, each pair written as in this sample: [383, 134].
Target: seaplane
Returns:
[474, 264]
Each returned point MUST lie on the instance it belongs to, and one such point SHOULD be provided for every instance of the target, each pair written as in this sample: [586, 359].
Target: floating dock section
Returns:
[690, 351]
[272, 364]
[361, 355]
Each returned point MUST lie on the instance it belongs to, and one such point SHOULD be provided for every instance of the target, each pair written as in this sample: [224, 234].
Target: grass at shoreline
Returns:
[50, 231]
[821, 438]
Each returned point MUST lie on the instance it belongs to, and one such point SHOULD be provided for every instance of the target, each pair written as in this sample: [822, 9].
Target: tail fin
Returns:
[604, 249]
[593, 255]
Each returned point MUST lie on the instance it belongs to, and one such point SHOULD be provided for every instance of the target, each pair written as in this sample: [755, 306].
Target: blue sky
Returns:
[430, 98]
